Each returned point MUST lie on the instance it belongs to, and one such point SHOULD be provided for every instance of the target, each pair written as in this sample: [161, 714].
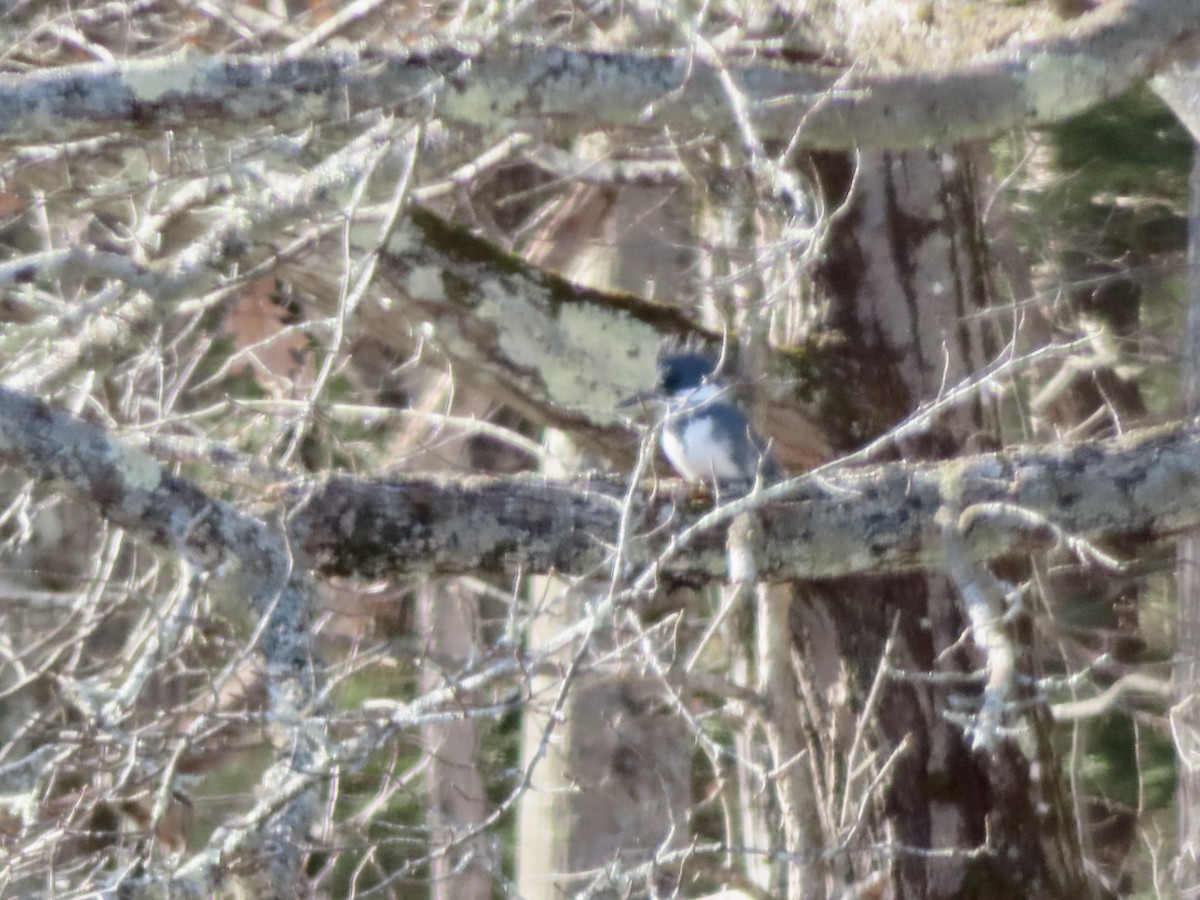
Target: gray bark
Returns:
[448, 611]
[247, 563]
[610, 782]
[855, 521]
[544, 89]
[908, 282]
[869, 520]
[1185, 715]
[462, 869]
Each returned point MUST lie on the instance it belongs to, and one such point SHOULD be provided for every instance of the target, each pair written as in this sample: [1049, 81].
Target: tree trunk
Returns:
[448, 617]
[610, 780]
[906, 278]
[462, 869]
[1186, 713]
[743, 282]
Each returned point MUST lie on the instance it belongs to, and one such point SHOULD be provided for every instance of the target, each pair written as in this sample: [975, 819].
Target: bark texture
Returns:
[608, 759]
[1185, 715]
[544, 89]
[875, 519]
[870, 520]
[907, 281]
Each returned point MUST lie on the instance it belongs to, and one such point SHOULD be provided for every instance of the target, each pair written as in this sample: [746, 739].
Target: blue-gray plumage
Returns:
[705, 436]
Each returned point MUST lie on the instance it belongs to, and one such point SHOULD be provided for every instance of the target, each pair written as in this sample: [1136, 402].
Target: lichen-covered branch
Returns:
[876, 519]
[548, 89]
[537, 340]
[873, 519]
[528, 337]
[247, 563]
[544, 344]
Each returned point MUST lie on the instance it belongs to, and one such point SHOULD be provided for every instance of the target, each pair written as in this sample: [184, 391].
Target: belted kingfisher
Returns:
[704, 435]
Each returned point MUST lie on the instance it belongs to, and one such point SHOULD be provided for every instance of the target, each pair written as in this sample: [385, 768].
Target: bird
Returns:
[705, 436]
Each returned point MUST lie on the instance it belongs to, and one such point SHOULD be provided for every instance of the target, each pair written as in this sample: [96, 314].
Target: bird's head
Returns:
[686, 371]
[679, 373]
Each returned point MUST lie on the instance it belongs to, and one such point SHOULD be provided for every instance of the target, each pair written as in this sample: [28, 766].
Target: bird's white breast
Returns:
[690, 443]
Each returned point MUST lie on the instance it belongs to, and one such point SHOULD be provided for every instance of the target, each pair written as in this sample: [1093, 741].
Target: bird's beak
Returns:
[637, 399]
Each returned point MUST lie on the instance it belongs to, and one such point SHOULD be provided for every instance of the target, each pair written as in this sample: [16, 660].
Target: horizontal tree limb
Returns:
[874, 520]
[545, 89]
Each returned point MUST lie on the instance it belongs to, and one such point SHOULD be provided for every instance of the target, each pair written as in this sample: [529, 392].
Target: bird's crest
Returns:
[685, 363]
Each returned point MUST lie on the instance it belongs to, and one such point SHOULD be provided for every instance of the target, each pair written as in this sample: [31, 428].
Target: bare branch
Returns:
[247, 562]
[1111, 697]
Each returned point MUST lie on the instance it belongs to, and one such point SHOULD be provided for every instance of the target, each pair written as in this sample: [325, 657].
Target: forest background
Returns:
[330, 566]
